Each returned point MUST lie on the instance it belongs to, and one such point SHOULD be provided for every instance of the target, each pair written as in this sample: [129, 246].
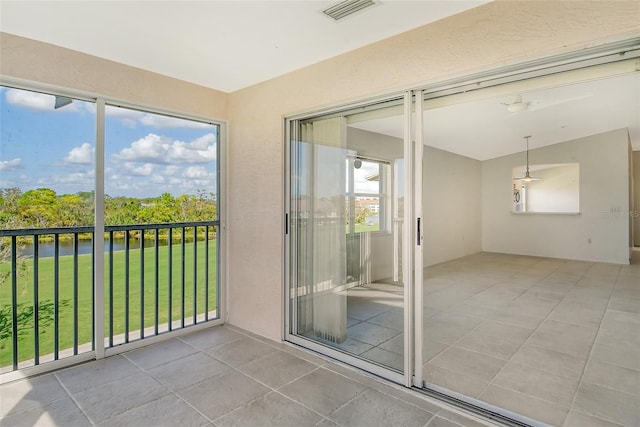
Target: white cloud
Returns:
[72, 182]
[9, 165]
[144, 170]
[164, 150]
[35, 101]
[81, 155]
[197, 172]
[171, 170]
[157, 179]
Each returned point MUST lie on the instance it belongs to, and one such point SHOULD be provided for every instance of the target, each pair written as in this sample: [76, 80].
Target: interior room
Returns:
[425, 213]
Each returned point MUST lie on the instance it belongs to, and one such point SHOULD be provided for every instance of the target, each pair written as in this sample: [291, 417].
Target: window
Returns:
[554, 188]
[367, 194]
[150, 181]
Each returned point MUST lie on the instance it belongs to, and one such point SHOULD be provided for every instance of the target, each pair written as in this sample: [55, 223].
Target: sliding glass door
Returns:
[348, 232]
[474, 242]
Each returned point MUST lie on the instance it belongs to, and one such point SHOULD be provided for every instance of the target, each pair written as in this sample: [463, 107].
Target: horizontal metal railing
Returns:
[158, 277]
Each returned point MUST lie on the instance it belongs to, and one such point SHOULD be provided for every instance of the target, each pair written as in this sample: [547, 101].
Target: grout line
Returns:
[75, 402]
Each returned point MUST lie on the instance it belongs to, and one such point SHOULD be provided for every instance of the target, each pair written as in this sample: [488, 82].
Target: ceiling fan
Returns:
[519, 104]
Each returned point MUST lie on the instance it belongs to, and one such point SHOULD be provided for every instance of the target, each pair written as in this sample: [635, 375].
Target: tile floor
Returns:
[221, 376]
[554, 340]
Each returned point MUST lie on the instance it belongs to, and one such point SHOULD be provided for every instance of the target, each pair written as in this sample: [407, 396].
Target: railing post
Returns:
[98, 236]
[36, 304]
[14, 300]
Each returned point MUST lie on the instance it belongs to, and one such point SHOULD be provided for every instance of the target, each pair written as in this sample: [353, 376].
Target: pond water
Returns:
[47, 249]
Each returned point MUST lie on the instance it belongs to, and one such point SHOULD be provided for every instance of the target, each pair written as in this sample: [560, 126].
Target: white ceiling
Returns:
[484, 129]
[224, 45]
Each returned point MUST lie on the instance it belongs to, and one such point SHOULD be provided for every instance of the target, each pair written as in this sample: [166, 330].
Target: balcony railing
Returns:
[157, 278]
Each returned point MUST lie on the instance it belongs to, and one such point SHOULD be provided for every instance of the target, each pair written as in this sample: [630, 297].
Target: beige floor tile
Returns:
[503, 330]
[223, 393]
[87, 375]
[166, 411]
[613, 377]
[437, 421]
[385, 358]
[631, 319]
[614, 333]
[211, 337]
[621, 303]
[460, 383]
[468, 362]
[619, 355]
[188, 370]
[585, 333]
[393, 319]
[473, 310]
[578, 419]
[277, 369]
[610, 405]
[537, 383]
[517, 319]
[239, 352]
[22, 395]
[273, 409]
[550, 361]
[395, 344]
[502, 348]
[108, 400]
[431, 349]
[372, 409]
[532, 306]
[562, 343]
[528, 406]
[161, 353]
[365, 310]
[322, 390]
[62, 412]
[371, 334]
[352, 346]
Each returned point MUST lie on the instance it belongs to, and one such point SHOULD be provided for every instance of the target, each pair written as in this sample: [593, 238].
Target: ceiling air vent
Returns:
[346, 8]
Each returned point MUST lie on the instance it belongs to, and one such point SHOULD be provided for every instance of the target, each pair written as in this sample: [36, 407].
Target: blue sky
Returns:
[145, 154]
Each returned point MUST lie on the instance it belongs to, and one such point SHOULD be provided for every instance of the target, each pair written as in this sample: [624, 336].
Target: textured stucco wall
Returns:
[43, 63]
[492, 35]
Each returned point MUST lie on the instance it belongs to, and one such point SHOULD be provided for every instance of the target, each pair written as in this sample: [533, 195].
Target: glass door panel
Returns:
[522, 306]
[346, 207]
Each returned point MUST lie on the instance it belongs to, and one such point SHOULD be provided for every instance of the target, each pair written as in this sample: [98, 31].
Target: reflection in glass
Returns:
[346, 283]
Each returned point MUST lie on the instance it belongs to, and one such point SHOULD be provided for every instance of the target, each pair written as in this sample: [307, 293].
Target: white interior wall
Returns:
[452, 206]
[557, 191]
[599, 233]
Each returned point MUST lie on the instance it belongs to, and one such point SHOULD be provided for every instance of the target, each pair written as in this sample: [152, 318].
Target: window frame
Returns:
[101, 101]
[383, 195]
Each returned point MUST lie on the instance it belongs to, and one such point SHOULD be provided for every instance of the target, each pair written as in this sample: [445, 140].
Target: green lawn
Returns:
[141, 292]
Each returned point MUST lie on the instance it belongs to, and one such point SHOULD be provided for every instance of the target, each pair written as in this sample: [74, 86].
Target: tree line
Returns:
[44, 208]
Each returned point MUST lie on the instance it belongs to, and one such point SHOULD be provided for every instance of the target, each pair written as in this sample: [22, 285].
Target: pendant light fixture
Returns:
[527, 176]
